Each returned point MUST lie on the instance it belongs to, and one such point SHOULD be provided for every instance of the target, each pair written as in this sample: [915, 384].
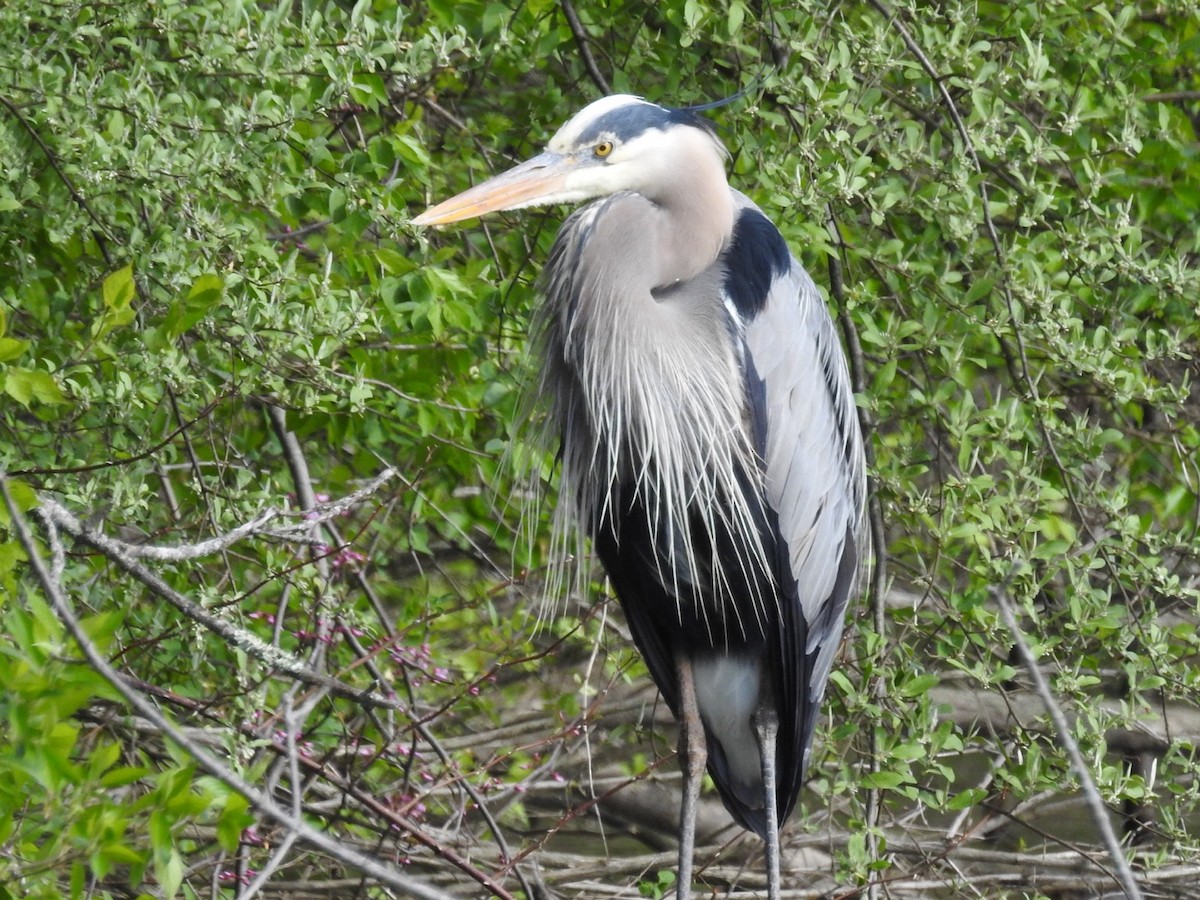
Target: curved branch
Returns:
[998, 249]
[247, 641]
[1123, 875]
[102, 237]
[296, 825]
[877, 554]
[581, 39]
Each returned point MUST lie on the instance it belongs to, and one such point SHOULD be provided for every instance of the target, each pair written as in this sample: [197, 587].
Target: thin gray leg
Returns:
[766, 723]
[693, 754]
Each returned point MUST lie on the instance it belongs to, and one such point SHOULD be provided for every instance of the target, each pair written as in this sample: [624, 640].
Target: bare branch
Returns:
[581, 39]
[246, 641]
[1123, 875]
[101, 234]
[368, 865]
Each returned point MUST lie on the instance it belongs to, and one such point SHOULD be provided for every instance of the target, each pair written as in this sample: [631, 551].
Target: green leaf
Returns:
[918, 686]
[119, 854]
[909, 751]
[11, 552]
[979, 289]
[168, 868]
[102, 627]
[884, 780]
[337, 204]
[737, 14]
[11, 348]
[24, 498]
[123, 775]
[27, 385]
[118, 289]
[187, 311]
[967, 798]
[233, 820]
[118, 292]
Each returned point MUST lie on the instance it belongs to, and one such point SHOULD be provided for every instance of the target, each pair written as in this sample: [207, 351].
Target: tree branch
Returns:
[1124, 875]
[246, 641]
[366, 864]
[102, 237]
[581, 40]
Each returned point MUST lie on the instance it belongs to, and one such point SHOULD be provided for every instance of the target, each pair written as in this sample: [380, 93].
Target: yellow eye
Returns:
[603, 148]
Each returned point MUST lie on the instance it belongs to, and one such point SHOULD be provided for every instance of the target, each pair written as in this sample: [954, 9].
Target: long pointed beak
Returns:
[538, 180]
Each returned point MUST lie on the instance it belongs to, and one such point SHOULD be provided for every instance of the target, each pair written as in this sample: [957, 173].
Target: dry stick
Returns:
[369, 866]
[298, 466]
[256, 526]
[581, 38]
[279, 854]
[875, 516]
[246, 641]
[369, 803]
[1124, 875]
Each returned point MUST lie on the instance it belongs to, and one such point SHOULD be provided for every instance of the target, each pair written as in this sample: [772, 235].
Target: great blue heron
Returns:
[709, 441]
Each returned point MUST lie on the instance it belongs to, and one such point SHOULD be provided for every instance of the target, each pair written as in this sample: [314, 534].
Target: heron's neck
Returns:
[696, 217]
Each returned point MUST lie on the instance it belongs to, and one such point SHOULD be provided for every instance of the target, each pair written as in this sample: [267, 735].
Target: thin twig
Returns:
[581, 39]
[368, 802]
[280, 853]
[1124, 875]
[369, 866]
[1171, 96]
[102, 235]
[878, 549]
[506, 854]
[125, 460]
[246, 641]
[295, 234]
[866, 424]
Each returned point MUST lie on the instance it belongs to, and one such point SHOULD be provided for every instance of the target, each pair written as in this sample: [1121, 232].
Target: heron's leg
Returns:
[693, 754]
[766, 723]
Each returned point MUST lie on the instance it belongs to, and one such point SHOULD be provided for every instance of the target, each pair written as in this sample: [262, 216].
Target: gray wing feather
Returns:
[815, 474]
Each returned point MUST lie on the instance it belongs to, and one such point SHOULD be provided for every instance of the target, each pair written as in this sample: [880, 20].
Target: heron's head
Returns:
[619, 143]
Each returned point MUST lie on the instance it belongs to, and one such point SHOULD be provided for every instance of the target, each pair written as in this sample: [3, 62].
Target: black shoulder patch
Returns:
[756, 255]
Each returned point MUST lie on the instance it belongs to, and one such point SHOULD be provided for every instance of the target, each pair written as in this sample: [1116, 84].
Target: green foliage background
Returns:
[203, 212]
